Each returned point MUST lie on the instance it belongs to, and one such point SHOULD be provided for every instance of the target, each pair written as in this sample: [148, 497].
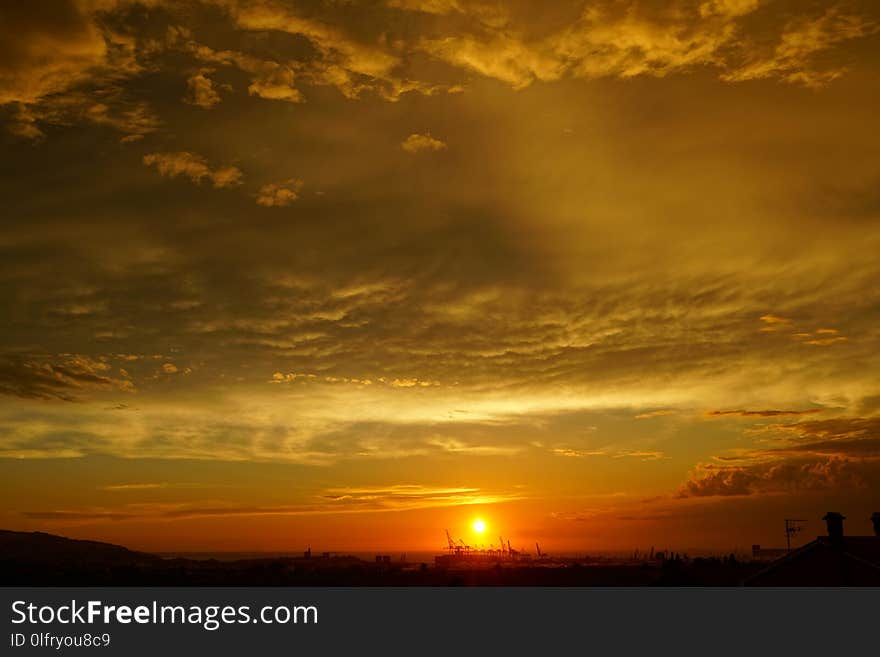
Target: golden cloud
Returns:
[279, 194]
[201, 90]
[422, 142]
[194, 167]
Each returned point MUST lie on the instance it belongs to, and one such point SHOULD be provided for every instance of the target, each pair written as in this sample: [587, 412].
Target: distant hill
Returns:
[36, 547]
[37, 557]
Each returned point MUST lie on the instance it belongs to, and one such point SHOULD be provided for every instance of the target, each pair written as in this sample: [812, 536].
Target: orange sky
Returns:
[348, 274]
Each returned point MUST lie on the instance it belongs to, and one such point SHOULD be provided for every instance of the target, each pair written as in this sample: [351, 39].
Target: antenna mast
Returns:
[792, 527]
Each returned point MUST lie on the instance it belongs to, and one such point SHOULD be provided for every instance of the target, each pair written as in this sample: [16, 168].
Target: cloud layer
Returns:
[559, 258]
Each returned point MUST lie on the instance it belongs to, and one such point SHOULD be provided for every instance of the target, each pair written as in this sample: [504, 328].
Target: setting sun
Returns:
[479, 526]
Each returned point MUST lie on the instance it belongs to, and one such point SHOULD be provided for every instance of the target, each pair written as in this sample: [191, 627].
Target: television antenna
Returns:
[792, 527]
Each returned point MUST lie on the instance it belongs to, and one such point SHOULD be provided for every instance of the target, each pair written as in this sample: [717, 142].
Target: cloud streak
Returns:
[399, 497]
[763, 413]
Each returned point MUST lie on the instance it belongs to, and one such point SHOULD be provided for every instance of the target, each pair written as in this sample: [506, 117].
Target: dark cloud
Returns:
[841, 452]
[833, 429]
[45, 52]
[50, 58]
[842, 447]
[62, 379]
[766, 413]
[64, 65]
[790, 476]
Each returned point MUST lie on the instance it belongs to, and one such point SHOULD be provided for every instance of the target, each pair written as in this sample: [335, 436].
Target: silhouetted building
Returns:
[832, 560]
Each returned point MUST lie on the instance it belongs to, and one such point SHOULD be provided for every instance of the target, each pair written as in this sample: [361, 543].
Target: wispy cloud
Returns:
[802, 39]
[642, 454]
[651, 414]
[408, 496]
[161, 485]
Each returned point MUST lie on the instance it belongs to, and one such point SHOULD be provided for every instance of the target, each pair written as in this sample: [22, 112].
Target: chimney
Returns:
[875, 520]
[834, 521]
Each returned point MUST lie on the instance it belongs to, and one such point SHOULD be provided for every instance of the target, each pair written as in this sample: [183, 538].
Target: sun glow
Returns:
[479, 526]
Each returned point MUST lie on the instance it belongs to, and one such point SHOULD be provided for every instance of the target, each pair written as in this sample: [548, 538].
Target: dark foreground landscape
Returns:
[39, 559]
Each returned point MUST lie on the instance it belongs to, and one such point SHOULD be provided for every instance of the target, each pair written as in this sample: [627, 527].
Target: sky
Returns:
[345, 274]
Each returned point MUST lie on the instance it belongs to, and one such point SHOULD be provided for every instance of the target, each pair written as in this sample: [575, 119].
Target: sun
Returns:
[479, 526]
